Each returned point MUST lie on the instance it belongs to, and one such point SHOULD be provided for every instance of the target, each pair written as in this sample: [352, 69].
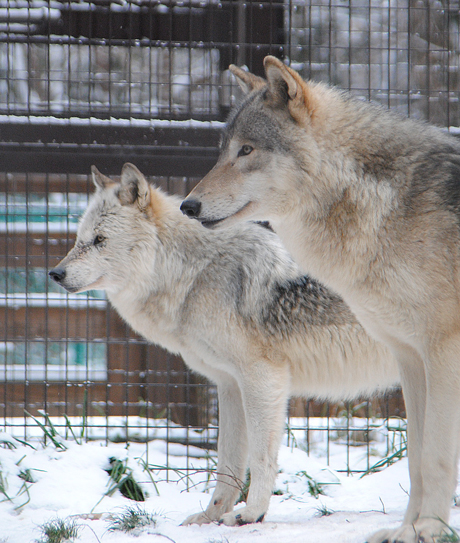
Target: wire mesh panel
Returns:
[403, 54]
[147, 59]
[106, 80]
[147, 82]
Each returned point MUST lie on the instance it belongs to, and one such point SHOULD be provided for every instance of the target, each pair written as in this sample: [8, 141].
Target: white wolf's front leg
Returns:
[232, 454]
[265, 390]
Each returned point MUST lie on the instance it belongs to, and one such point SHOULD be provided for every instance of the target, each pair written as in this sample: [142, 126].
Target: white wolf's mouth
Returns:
[76, 289]
[210, 223]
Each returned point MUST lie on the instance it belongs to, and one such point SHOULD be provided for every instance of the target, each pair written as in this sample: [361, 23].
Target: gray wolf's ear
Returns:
[247, 81]
[134, 187]
[101, 181]
[287, 88]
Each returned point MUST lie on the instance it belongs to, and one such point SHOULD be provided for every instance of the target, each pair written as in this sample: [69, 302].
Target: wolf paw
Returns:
[240, 517]
[198, 518]
[422, 531]
[219, 505]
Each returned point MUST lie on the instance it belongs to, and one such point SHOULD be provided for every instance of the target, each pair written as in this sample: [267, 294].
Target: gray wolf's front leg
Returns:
[432, 394]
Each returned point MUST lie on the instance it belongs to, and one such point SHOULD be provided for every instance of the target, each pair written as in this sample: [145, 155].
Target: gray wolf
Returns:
[237, 309]
[369, 204]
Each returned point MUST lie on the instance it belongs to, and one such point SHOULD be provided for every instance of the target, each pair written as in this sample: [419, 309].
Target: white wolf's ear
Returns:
[247, 81]
[287, 88]
[134, 187]
[101, 181]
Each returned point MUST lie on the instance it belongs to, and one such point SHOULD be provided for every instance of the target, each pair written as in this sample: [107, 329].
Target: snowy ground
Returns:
[73, 483]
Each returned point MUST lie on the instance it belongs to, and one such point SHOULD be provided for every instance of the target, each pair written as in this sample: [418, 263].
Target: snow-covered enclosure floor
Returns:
[73, 483]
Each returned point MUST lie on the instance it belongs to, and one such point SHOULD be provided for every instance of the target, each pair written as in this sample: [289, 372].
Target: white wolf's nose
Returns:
[191, 208]
[57, 274]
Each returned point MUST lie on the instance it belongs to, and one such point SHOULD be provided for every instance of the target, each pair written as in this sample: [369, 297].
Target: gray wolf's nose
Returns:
[57, 274]
[191, 208]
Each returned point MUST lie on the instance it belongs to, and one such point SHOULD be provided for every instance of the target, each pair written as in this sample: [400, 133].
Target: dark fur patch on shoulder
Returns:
[452, 183]
[438, 176]
[303, 302]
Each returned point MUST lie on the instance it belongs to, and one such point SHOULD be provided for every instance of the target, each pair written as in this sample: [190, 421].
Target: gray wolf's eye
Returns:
[98, 239]
[245, 150]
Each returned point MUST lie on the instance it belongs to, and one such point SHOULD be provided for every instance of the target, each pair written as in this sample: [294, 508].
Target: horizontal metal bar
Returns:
[116, 131]
[163, 151]
[27, 158]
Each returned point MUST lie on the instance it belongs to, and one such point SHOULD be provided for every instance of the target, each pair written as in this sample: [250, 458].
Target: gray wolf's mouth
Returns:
[212, 223]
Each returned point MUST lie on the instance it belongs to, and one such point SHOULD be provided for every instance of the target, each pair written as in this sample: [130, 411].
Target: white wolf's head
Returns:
[110, 236]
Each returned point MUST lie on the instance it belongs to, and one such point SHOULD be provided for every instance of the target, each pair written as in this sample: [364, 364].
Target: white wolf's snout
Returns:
[57, 274]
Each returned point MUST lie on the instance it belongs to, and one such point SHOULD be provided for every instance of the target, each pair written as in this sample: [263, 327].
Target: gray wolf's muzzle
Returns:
[191, 208]
[57, 274]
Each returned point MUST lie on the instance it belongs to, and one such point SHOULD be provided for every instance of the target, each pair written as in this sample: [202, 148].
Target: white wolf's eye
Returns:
[245, 150]
[98, 239]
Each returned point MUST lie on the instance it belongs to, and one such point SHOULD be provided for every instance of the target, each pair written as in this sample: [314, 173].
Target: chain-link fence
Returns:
[105, 82]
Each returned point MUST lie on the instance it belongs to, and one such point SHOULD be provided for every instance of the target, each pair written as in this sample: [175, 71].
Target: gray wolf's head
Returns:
[263, 152]
[110, 235]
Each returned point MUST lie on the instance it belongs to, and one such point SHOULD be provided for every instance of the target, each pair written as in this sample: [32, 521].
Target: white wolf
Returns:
[237, 309]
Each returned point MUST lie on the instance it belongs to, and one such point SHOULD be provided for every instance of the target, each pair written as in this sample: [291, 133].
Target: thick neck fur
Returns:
[353, 193]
